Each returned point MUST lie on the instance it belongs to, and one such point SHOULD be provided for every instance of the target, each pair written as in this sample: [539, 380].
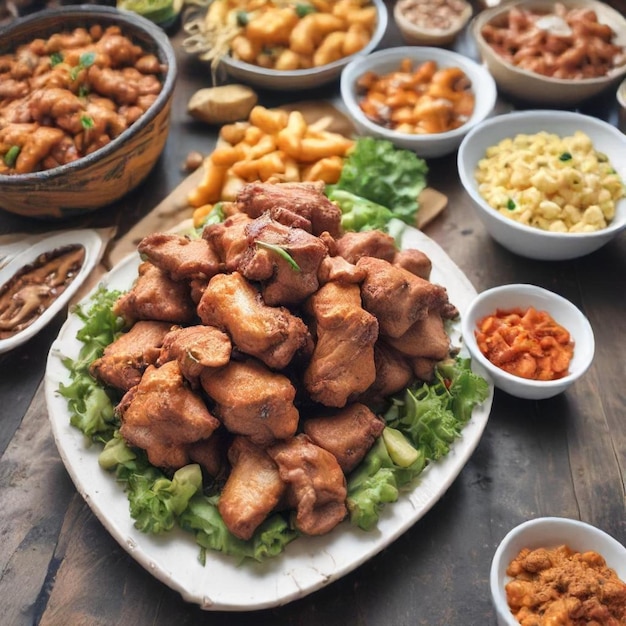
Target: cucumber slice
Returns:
[402, 453]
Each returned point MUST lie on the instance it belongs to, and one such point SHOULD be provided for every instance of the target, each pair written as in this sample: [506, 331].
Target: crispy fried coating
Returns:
[302, 205]
[179, 257]
[336, 268]
[414, 261]
[229, 239]
[281, 282]
[397, 297]
[317, 486]
[272, 334]
[124, 361]
[347, 434]
[195, 348]
[253, 488]
[393, 373]
[210, 453]
[426, 338]
[252, 400]
[352, 246]
[342, 364]
[155, 296]
[162, 416]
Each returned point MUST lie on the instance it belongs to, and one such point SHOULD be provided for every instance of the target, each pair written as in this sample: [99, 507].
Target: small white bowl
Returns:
[535, 88]
[93, 244]
[522, 296]
[420, 36]
[529, 241]
[385, 61]
[549, 532]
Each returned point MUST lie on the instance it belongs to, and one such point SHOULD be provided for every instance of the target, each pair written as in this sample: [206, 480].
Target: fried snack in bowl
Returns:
[552, 54]
[295, 46]
[108, 132]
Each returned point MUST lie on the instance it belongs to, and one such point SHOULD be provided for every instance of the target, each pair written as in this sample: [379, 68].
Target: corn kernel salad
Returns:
[559, 184]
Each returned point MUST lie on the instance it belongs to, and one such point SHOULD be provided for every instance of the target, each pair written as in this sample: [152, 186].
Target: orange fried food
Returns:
[302, 205]
[253, 488]
[425, 338]
[124, 361]
[195, 348]
[162, 416]
[397, 297]
[272, 334]
[414, 261]
[393, 372]
[348, 434]
[252, 400]
[229, 239]
[317, 485]
[529, 343]
[374, 243]
[179, 257]
[155, 296]
[342, 364]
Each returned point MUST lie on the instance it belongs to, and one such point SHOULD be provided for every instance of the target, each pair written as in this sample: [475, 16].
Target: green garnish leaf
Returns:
[303, 9]
[11, 156]
[242, 18]
[86, 122]
[566, 156]
[281, 252]
[87, 59]
[510, 205]
[56, 58]
[83, 91]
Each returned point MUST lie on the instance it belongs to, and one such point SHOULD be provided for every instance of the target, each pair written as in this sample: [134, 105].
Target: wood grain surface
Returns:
[564, 456]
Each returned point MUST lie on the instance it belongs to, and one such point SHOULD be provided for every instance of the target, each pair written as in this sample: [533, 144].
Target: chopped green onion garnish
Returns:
[281, 252]
[566, 156]
[510, 205]
[56, 58]
[86, 122]
[11, 156]
[303, 9]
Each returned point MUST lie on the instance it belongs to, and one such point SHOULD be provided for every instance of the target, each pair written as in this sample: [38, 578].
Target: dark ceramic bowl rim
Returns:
[112, 16]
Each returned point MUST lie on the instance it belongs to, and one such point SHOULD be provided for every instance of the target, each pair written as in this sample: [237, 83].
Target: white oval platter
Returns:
[307, 564]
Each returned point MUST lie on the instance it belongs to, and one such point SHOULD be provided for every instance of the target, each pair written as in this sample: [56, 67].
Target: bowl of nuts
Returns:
[426, 23]
[552, 54]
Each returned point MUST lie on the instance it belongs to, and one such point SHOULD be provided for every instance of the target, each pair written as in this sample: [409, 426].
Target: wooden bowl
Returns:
[109, 173]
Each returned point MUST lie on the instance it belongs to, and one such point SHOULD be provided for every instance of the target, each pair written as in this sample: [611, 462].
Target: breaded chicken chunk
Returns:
[426, 338]
[352, 246]
[125, 360]
[252, 400]
[317, 485]
[253, 488]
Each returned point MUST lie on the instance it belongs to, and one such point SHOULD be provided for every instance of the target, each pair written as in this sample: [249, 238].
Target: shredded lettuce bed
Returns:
[422, 423]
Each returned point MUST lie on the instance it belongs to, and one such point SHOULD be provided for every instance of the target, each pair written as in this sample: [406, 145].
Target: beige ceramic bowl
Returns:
[111, 172]
[420, 36]
[535, 88]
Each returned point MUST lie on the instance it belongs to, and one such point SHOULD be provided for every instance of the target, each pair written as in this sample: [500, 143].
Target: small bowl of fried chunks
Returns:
[84, 108]
[288, 48]
[559, 567]
[556, 54]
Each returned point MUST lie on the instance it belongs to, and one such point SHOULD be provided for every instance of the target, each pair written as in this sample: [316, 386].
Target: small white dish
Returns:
[522, 296]
[93, 244]
[549, 532]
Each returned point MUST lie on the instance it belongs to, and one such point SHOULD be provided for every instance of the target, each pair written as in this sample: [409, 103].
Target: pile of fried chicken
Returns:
[261, 350]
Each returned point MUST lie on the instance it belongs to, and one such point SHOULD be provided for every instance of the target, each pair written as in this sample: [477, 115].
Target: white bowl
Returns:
[293, 80]
[549, 532]
[561, 310]
[385, 61]
[526, 240]
[536, 88]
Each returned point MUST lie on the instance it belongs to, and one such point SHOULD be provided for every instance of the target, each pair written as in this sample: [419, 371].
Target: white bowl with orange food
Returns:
[552, 54]
[504, 330]
[579, 550]
[443, 96]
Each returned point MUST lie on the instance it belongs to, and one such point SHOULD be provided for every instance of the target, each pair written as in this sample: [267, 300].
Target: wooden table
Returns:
[565, 456]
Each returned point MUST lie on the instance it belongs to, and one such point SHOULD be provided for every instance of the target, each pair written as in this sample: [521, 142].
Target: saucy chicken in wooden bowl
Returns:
[85, 98]
[552, 54]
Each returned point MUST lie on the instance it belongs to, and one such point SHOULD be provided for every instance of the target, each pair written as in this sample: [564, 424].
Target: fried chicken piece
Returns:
[209, 453]
[253, 488]
[414, 261]
[162, 416]
[342, 364]
[317, 486]
[423, 368]
[195, 348]
[301, 205]
[155, 296]
[397, 297]
[179, 257]
[426, 338]
[371, 243]
[229, 239]
[252, 400]
[272, 334]
[282, 283]
[125, 360]
[336, 268]
[393, 373]
[347, 434]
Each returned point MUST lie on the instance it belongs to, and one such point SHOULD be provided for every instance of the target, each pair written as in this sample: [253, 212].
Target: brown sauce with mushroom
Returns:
[34, 287]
